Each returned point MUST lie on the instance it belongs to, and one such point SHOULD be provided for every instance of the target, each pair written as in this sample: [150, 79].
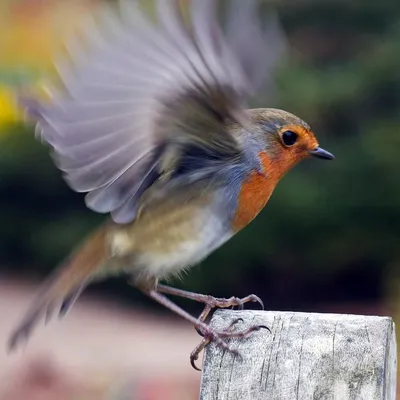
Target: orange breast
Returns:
[255, 192]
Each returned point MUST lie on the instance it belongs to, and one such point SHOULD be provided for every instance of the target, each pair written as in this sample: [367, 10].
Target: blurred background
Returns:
[327, 242]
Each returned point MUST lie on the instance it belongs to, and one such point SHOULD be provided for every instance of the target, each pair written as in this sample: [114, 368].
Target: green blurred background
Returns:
[328, 239]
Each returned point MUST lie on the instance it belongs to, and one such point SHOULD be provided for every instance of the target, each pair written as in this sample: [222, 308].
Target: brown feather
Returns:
[63, 288]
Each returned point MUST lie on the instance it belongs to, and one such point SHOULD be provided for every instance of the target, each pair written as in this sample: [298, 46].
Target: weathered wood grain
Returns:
[305, 356]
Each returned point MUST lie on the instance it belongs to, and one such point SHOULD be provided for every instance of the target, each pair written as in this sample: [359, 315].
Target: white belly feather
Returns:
[211, 232]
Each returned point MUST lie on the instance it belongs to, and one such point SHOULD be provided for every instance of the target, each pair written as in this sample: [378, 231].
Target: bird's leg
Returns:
[208, 334]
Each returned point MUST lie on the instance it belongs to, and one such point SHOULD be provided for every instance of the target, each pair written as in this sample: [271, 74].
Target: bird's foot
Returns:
[215, 302]
[219, 338]
[232, 302]
[210, 301]
[209, 335]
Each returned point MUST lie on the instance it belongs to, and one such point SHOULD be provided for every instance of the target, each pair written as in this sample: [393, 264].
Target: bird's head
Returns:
[286, 139]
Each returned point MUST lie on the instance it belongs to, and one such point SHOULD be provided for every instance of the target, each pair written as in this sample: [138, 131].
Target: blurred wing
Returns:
[134, 89]
[244, 27]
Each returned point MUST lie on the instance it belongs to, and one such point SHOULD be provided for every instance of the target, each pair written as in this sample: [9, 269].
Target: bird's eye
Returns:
[289, 138]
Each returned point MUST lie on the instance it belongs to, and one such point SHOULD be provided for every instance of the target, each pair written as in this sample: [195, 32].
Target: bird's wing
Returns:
[132, 89]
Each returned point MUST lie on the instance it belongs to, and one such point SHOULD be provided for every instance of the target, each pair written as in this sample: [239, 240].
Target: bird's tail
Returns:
[61, 290]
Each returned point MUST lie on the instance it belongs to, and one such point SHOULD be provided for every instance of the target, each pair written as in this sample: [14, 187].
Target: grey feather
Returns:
[243, 27]
[132, 88]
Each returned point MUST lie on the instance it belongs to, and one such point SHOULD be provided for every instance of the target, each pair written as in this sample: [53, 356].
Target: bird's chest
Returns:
[254, 194]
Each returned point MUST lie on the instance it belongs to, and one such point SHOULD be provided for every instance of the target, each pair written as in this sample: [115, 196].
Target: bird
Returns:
[150, 119]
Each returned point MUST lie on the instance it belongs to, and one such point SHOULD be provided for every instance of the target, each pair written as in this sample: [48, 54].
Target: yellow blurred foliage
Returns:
[32, 30]
[9, 112]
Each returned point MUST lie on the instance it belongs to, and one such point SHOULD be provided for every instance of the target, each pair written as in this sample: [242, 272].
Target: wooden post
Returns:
[305, 356]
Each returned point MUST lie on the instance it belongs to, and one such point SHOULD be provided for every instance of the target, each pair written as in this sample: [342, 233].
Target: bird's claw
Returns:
[232, 302]
[210, 335]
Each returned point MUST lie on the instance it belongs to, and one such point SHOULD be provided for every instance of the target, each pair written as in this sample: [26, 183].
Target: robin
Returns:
[151, 122]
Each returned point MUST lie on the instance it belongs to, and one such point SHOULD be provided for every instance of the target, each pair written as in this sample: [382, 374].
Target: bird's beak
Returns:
[321, 153]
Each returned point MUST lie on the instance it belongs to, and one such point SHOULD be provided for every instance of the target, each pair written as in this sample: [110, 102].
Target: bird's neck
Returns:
[256, 190]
